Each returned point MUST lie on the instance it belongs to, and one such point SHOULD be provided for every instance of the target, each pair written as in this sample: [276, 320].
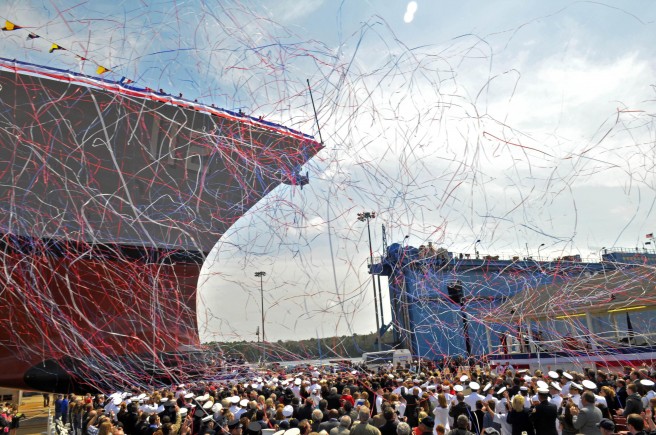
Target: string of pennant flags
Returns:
[100, 69]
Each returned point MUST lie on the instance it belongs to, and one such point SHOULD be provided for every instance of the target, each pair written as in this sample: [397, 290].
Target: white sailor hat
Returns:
[243, 402]
[458, 388]
[522, 371]
[431, 387]
[577, 386]
[207, 418]
[183, 412]
[588, 384]
[522, 388]
[189, 396]
[501, 390]
[207, 405]
[181, 386]
[293, 431]
[285, 382]
[474, 386]
[217, 407]
[280, 432]
[568, 376]
[647, 382]
[390, 375]
[297, 381]
[464, 378]
[288, 411]
[543, 391]
[163, 400]
[553, 375]
[141, 396]
[555, 386]
[527, 378]
[487, 387]
[117, 400]
[234, 400]
[543, 385]
[274, 380]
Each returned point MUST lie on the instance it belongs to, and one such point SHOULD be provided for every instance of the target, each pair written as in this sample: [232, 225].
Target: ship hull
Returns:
[110, 199]
[71, 309]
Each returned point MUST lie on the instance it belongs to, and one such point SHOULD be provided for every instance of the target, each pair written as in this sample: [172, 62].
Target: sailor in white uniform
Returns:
[588, 385]
[649, 384]
[474, 396]
[575, 391]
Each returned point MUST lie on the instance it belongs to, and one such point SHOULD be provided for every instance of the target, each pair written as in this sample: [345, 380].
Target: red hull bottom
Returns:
[80, 317]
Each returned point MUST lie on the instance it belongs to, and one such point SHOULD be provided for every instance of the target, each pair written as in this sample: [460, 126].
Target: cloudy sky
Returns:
[514, 122]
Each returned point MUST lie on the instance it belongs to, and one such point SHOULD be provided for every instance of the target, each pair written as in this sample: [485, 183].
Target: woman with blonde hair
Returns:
[519, 417]
[105, 428]
[420, 417]
[279, 415]
[441, 412]
[612, 404]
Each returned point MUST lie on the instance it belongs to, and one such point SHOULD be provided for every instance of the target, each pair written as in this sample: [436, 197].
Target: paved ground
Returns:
[36, 420]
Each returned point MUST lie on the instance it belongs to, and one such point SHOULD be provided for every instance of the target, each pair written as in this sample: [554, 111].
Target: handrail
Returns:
[604, 340]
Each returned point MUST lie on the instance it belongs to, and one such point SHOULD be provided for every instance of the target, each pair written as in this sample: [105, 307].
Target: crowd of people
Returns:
[9, 418]
[385, 401]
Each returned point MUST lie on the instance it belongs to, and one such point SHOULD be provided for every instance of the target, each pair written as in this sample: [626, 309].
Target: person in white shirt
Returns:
[316, 396]
[575, 392]
[649, 384]
[296, 389]
[379, 400]
[556, 398]
[566, 380]
[151, 408]
[523, 391]
[473, 397]
[506, 429]
[446, 389]
[401, 407]
[441, 412]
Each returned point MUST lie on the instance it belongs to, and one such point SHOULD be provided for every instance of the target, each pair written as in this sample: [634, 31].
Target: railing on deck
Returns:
[595, 343]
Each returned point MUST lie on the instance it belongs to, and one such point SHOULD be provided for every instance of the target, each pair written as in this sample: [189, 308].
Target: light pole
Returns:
[261, 275]
[476, 250]
[541, 245]
[362, 217]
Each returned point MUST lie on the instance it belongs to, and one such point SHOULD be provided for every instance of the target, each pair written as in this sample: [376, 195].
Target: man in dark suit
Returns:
[332, 421]
[460, 408]
[544, 415]
[391, 422]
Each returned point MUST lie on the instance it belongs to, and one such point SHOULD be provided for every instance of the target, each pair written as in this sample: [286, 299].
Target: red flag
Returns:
[650, 236]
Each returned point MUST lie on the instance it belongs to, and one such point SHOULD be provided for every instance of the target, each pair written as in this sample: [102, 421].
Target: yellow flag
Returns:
[10, 26]
[101, 69]
[55, 47]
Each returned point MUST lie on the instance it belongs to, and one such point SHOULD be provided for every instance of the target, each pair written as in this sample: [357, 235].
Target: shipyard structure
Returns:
[527, 312]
